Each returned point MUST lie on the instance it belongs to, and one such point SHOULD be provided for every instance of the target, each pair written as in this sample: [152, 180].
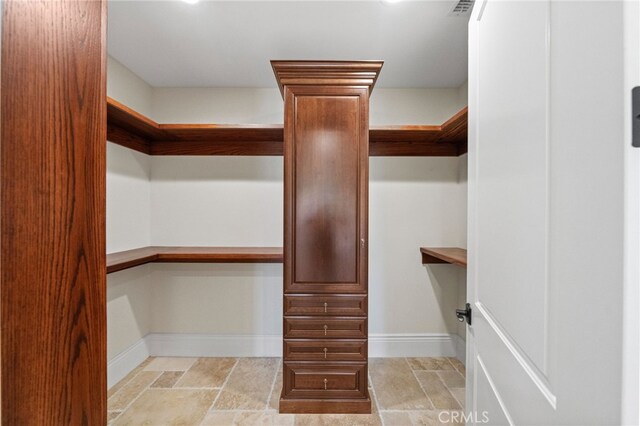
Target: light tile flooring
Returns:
[245, 391]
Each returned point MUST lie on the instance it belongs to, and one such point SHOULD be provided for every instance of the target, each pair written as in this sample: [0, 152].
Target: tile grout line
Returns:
[223, 385]
[464, 376]
[456, 368]
[273, 385]
[128, 381]
[148, 386]
[460, 403]
[413, 372]
[172, 386]
[446, 387]
[137, 396]
[375, 400]
[267, 408]
[121, 387]
[186, 388]
[119, 390]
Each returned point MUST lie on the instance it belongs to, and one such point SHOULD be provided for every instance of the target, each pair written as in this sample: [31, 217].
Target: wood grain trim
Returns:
[448, 139]
[220, 254]
[454, 131]
[326, 305]
[131, 258]
[346, 380]
[136, 257]
[453, 255]
[412, 148]
[325, 350]
[128, 139]
[133, 130]
[327, 406]
[326, 73]
[52, 173]
[214, 147]
[122, 116]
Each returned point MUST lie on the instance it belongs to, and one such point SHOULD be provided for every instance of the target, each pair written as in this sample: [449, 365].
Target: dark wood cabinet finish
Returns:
[325, 380]
[453, 255]
[133, 130]
[140, 256]
[337, 304]
[325, 350]
[52, 174]
[326, 179]
[326, 327]
[326, 190]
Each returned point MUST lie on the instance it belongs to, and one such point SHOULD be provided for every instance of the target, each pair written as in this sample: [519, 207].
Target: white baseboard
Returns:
[413, 345]
[461, 349]
[213, 345]
[124, 363]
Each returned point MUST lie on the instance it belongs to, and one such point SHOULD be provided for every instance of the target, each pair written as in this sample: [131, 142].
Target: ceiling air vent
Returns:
[462, 8]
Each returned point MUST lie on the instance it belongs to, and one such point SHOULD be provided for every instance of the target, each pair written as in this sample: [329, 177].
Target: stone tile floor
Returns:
[245, 391]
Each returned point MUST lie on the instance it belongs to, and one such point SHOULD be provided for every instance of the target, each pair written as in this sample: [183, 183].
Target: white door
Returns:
[631, 358]
[546, 203]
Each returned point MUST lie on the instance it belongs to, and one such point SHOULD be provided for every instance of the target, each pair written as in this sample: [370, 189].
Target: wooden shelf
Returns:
[453, 255]
[130, 258]
[128, 128]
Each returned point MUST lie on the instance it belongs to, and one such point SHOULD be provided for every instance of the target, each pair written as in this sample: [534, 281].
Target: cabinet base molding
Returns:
[326, 406]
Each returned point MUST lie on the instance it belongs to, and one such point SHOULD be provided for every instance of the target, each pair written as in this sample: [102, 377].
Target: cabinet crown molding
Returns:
[326, 73]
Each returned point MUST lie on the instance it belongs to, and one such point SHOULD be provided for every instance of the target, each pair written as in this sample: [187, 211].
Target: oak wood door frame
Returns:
[52, 210]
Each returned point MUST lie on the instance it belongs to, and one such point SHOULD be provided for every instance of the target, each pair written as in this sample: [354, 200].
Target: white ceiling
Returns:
[230, 43]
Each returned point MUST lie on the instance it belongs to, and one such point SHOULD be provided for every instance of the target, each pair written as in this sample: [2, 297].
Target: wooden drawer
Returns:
[325, 381]
[309, 304]
[329, 328]
[321, 350]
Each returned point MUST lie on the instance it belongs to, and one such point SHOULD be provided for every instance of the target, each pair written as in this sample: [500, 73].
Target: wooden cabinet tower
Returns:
[326, 179]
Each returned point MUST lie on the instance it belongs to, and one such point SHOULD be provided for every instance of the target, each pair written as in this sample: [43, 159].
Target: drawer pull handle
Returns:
[325, 384]
[325, 353]
[325, 307]
[325, 329]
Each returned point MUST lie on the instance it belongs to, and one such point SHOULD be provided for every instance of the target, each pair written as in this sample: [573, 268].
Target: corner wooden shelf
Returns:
[130, 258]
[133, 130]
[453, 255]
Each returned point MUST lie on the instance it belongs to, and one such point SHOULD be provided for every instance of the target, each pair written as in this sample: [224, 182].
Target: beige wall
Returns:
[238, 201]
[128, 219]
[253, 105]
[462, 272]
[127, 88]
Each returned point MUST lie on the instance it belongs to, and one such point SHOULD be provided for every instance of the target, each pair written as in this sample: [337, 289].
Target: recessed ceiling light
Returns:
[191, 1]
[391, 1]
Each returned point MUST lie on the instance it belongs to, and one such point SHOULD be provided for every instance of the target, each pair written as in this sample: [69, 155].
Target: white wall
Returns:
[217, 201]
[238, 201]
[217, 105]
[413, 203]
[128, 219]
[179, 200]
[462, 272]
[251, 105]
[126, 87]
[463, 93]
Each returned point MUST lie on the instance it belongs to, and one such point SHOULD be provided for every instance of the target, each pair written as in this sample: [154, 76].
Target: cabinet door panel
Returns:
[312, 328]
[325, 350]
[307, 304]
[326, 189]
[308, 380]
